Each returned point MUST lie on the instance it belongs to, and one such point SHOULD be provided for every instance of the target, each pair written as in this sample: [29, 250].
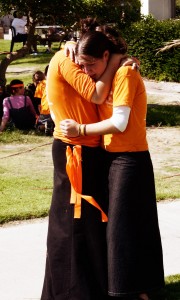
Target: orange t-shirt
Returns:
[127, 89]
[40, 92]
[67, 88]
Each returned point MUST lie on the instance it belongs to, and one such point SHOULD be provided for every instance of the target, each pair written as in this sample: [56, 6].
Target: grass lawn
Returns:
[26, 176]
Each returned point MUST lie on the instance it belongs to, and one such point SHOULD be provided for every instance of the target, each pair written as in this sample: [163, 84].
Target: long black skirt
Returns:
[135, 261]
[76, 264]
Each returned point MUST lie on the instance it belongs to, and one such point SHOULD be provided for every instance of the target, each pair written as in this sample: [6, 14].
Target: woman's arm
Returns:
[103, 85]
[117, 123]
[78, 79]
[3, 125]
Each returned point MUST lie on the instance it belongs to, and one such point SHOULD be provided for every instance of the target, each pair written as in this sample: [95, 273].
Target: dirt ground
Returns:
[164, 92]
[164, 142]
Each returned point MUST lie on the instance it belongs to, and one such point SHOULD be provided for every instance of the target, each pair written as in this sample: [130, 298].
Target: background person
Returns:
[53, 35]
[30, 89]
[18, 108]
[19, 23]
[135, 263]
[44, 121]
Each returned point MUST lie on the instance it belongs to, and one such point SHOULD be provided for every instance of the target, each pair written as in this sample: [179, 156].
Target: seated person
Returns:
[18, 108]
[53, 35]
[44, 122]
[19, 23]
[37, 77]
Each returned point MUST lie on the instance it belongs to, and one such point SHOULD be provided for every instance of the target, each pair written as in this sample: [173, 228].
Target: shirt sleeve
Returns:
[5, 109]
[81, 82]
[38, 91]
[126, 81]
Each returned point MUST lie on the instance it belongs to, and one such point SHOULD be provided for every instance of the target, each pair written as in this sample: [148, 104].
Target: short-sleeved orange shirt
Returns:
[67, 88]
[127, 89]
[40, 92]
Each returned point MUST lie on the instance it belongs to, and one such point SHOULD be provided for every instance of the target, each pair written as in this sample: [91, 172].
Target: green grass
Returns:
[26, 198]
[26, 173]
[167, 187]
[11, 136]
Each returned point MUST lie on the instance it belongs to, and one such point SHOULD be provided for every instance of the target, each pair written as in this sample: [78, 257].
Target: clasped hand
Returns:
[69, 128]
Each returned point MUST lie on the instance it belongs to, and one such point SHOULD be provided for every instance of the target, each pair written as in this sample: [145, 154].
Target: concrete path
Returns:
[23, 251]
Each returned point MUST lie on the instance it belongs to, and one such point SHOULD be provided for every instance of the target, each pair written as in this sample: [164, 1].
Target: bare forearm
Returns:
[103, 85]
[3, 124]
[101, 128]
[71, 128]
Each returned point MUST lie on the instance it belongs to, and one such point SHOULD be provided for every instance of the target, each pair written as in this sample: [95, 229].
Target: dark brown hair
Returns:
[88, 24]
[94, 43]
[15, 84]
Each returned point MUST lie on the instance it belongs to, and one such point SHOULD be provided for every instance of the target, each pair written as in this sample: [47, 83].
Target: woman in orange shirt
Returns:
[135, 262]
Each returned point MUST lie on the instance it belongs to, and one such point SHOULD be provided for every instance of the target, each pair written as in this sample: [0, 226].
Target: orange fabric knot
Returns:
[74, 171]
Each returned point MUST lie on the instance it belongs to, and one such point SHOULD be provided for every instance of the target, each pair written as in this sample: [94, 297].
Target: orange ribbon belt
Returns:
[74, 171]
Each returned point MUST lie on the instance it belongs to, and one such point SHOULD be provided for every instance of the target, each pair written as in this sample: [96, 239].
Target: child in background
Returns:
[45, 122]
[30, 89]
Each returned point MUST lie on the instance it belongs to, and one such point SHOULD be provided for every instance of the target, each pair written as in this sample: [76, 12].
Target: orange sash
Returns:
[74, 171]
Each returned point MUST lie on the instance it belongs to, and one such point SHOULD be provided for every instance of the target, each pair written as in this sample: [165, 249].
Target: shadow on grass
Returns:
[163, 115]
[172, 289]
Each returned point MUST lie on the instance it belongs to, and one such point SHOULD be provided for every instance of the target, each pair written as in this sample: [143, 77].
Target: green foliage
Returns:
[69, 12]
[177, 8]
[119, 12]
[145, 38]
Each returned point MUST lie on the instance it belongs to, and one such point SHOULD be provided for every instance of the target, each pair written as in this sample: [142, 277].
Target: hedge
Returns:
[145, 38]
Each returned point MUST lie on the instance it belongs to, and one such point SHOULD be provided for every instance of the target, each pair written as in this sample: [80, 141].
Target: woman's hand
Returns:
[131, 61]
[69, 128]
[69, 50]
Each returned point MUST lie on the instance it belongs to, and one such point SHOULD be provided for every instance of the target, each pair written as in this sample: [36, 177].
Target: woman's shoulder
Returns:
[6, 99]
[60, 58]
[128, 71]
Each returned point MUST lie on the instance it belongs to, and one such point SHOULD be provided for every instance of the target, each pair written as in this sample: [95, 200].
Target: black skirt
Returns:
[135, 262]
[76, 265]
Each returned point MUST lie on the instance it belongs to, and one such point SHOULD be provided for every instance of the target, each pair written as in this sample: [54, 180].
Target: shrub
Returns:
[145, 38]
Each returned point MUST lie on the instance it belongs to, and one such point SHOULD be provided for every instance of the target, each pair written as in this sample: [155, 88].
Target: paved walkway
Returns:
[23, 251]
